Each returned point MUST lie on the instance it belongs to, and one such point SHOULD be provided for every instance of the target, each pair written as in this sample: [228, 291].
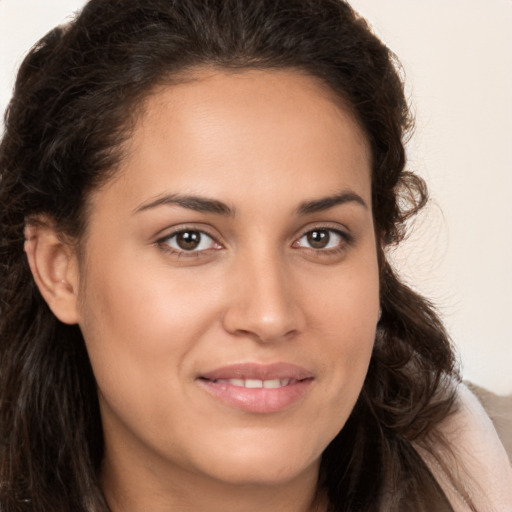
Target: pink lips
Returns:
[257, 388]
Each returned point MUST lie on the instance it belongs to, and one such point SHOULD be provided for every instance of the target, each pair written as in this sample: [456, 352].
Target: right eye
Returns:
[189, 241]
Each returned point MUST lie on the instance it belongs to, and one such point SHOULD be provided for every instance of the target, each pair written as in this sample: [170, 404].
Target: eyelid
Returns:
[328, 226]
[344, 233]
[162, 241]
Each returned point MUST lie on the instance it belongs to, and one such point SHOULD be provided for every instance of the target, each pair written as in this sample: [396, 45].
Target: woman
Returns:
[206, 318]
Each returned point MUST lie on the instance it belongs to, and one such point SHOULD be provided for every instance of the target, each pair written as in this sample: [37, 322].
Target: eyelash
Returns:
[345, 239]
[163, 243]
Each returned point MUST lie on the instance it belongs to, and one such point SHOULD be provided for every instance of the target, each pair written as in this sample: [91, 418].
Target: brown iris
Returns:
[188, 240]
[319, 238]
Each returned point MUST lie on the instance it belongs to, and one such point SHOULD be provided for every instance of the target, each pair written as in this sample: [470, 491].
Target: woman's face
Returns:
[229, 286]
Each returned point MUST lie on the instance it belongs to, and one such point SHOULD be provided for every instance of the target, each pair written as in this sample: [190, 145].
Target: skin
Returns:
[156, 317]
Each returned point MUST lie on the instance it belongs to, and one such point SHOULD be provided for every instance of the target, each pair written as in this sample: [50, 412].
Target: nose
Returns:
[263, 302]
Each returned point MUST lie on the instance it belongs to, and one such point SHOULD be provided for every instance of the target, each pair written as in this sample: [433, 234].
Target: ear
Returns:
[54, 267]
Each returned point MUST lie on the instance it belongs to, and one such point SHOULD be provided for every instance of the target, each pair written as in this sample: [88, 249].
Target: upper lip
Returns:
[258, 371]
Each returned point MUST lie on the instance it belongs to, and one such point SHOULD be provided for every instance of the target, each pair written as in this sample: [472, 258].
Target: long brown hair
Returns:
[77, 95]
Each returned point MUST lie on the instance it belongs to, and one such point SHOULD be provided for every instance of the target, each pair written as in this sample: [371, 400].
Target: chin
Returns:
[262, 464]
[266, 475]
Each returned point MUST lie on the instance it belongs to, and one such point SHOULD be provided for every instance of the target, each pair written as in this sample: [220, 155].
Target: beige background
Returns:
[457, 55]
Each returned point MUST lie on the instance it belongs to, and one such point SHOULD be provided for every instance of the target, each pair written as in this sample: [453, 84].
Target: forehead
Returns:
[222, 133]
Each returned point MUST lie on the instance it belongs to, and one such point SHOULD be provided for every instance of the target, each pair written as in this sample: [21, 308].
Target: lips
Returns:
[258, 388]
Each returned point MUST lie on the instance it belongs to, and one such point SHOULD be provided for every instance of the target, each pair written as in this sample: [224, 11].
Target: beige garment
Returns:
[499, 409]
[476, 469]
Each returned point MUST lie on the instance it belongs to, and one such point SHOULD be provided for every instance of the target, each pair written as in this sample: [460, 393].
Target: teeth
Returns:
[253, 383]
[256, 383]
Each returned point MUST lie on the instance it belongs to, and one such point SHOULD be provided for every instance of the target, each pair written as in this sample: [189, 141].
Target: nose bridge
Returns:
[262, 302]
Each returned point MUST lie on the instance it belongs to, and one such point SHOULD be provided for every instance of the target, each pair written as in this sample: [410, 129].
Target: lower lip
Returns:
[257, 400]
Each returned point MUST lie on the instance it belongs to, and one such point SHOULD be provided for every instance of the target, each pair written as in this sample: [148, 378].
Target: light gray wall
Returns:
[457, 56]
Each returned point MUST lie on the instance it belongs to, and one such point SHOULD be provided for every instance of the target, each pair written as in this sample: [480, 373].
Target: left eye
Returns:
[320, 239]
[190, 240]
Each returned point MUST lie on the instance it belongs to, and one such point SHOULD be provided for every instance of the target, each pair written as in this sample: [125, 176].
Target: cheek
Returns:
[141, 330]
[130, 292]
[139, 325]
[345, 316]
[346, 327]
[346, 303]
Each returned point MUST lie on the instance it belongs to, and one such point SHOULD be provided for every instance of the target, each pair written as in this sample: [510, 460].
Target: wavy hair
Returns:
[76, 99]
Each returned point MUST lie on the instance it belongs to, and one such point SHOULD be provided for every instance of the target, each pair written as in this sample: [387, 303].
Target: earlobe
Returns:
[54, 268]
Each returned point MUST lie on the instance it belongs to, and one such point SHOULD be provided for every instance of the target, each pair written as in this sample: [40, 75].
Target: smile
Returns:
[258, 388]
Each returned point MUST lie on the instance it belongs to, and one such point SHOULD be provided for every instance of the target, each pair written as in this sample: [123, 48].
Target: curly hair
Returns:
[76, 99]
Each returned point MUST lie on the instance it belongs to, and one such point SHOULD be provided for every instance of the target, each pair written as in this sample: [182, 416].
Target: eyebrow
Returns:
[325, 203]
[199, 204]
[206, 205]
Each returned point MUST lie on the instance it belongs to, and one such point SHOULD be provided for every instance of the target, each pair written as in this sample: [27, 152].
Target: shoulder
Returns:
[471, 464]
